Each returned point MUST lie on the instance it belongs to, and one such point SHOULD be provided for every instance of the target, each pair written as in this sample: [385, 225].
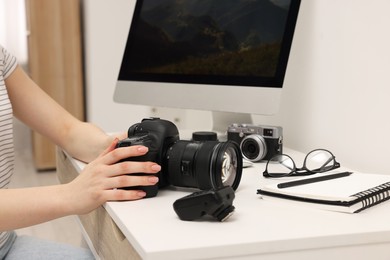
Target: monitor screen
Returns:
[218, 55]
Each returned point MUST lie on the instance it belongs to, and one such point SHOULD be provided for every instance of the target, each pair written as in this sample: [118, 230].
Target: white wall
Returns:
[104, 24]
[13, 28]
[337, 86]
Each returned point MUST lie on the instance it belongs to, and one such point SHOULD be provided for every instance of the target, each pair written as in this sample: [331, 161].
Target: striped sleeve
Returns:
[7, 66]
[7, 63]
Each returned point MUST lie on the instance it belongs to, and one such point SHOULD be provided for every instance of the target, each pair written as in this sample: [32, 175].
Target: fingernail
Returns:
[156, 167]
[142, 149]
[153, 179]
[141, 194]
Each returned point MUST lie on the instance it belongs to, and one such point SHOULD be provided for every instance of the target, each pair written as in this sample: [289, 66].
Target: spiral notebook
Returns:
[350, 194]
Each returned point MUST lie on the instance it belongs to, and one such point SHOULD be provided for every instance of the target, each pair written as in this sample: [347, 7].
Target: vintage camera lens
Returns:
[253, 147]
[204, 165]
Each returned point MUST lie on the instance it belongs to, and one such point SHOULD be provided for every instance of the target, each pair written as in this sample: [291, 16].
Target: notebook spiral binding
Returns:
[373, 196]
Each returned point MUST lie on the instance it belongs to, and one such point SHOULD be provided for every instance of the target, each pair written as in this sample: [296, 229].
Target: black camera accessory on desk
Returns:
[196, 164]
[257, 142]
[215, 202]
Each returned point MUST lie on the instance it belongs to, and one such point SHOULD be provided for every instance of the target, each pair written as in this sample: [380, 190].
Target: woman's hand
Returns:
[101, 180]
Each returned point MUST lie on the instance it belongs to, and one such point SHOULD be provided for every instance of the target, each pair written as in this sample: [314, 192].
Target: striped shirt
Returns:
[7, 65]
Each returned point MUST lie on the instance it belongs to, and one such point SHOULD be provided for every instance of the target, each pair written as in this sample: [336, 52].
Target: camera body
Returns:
[158, 135]
[185, 163]
[257, 142]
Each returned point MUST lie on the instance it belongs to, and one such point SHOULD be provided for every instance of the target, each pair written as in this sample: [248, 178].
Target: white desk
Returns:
[259, 229]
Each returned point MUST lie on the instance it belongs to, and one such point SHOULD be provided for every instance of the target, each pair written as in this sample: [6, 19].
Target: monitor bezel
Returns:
[232, 97]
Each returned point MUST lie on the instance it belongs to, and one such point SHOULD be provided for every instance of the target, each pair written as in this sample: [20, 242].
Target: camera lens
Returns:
[253, 147]
[204, 165]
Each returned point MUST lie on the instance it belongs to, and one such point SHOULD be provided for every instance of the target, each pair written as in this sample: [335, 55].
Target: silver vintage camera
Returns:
[257, 142]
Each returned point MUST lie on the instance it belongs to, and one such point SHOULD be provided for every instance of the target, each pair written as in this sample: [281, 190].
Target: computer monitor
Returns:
[226, 56]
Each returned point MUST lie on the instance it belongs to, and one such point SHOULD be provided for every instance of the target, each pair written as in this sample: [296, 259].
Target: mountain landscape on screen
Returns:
[208, 37]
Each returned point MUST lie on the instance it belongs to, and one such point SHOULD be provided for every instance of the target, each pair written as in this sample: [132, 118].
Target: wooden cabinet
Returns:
[55, 62]
[104, 237]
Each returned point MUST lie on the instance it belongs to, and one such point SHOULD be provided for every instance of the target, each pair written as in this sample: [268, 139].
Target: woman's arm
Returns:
[38, 110]
[101, 179]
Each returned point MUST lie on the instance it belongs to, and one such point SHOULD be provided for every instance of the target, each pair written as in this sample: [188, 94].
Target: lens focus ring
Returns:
[253, 147]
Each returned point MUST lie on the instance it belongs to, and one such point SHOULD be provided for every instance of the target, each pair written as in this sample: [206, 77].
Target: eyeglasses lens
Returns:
[280, 165]
[319, 161]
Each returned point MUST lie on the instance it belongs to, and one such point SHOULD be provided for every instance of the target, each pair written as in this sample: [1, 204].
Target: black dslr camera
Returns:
[204, 165]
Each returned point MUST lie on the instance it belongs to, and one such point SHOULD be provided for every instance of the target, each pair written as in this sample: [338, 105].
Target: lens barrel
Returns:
[204, 165]
[253, 147]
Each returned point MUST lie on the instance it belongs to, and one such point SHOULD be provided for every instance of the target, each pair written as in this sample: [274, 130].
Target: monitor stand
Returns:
[221, 121]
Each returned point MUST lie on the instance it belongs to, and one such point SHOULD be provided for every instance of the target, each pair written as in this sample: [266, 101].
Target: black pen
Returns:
[311, 180]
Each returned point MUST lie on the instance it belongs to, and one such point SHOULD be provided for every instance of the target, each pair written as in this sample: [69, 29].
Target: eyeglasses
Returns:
[282, 165]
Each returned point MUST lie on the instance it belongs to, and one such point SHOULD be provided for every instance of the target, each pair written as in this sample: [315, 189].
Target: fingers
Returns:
[121, 135]
[121, 195]
[111, 147]
[115, 155]
[130, 181]
[111, 172]
[129, 167]
[115, 193]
